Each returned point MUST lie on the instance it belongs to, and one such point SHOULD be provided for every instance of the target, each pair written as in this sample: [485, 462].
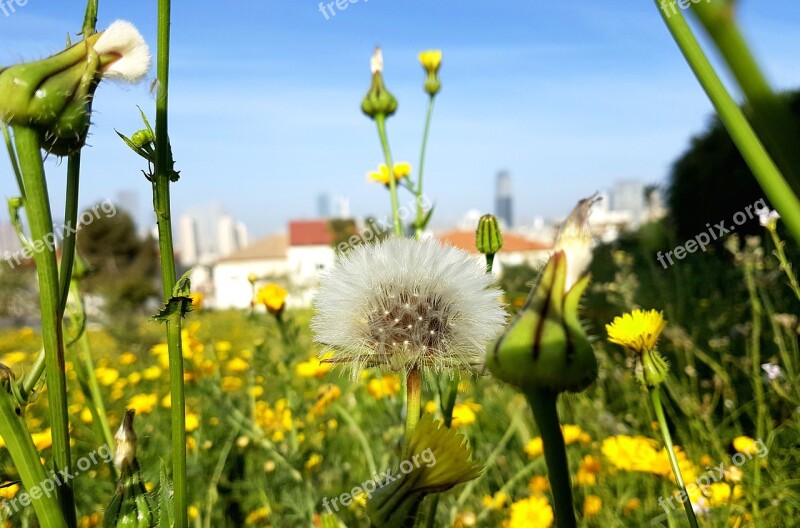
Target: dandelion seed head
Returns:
[404, 304]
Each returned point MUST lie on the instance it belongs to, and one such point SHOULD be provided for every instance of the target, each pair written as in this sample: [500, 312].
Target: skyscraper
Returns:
[504, 203]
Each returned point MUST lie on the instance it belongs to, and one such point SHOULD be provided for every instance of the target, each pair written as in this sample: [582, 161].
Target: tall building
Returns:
[190, 250]
[504, 201]
[209, 233]
[628, 195]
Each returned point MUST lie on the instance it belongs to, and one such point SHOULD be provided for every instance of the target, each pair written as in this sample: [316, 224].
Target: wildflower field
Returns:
[422, 385]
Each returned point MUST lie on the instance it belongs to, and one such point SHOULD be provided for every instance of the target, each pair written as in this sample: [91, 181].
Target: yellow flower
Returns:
[538, 485]
[638, 453]
[637, 331]
[533, 511]
[193, 512]
[496, 501]
[387, 386]
[8, 491]
[746, 445]
[192, 421]
[231, 384]
[534, 447]
[273, 297]
[106, 376]
[402, 170]
[721, 493]
[587, 471]
[43, 440]
[197, 300]
[313, 461]
[592, 505]
[257, 516]
[326, 395]
[152, 373]
[631, 506]
[127, 358]
[431, 60]
[573, 434]
[143, 403]
[237, 365]
[86, 416]
[313, 368]
[464, 413]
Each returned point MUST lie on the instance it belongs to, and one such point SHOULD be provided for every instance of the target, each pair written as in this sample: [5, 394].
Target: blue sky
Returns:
[265, 95]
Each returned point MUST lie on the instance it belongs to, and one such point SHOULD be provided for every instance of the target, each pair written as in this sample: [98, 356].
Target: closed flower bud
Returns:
[431, 61]
[545, 347]
[378, 101]
[130, 506]
[488, 239]
[54, 95]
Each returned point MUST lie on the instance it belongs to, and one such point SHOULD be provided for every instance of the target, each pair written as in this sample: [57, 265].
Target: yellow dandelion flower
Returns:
[588, 469]
[193, 512]
[272, 296]
[431, 60]
[533, 511]
[722, 493]
[637, 331]
[313, 368]
[592, 505]
[127, 359]
[326, 395]
[237, 365]
[401, 170]
[257, 516]
[106, 376]
[231, 384]
[573, 434]
[152, 373]
[631, 506]
[192, 421]
[387, 386]
[534, 447]
[8, 491]
[143, 403]
[43, 440]
[465, 413]
[496, 501]
[197, 300]
[746, 445]
[313, 461]
[538, 485]
[86, 416]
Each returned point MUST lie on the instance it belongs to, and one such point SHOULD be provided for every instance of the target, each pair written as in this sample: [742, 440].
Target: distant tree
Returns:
[710, 182]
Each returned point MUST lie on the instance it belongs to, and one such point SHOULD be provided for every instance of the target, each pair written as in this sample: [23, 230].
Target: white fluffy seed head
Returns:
[404, 304]
[376, 61]
[123, 39]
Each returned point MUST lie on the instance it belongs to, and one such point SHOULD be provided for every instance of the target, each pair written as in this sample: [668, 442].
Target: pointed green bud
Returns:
[378, 101]
[54, 95]
[439, 460]
[488, 239]
[651, 369]
[546, 347]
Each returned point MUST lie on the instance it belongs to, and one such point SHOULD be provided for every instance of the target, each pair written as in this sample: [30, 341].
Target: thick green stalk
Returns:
[380, 120]
[422, 153]
[168, 274]
[26, 460]
[41, 226]
[755, 359]
[766, 173]
[772, 116]
[545, 412]
[655, 397]
[413, 405]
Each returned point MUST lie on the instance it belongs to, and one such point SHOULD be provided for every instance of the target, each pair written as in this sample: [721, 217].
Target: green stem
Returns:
[13, 157]
[161, 184]
[90, 19]
[380, 120]
[26, 460]
[755, 359]
[360, 436]
[32, 378]
[655, 397]
[41, 226]
[766, 173]
[771, 116]
[70, 227]
[489, 262]
[786, 266]
[545, 412]
[413, 405]
[422, 153]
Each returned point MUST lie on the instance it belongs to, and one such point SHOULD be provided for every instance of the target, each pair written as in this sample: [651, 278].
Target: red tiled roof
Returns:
[511, 242]
[309, 233]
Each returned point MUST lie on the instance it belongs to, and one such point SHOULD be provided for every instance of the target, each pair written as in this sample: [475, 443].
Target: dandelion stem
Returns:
[70, 226]
[655, 397]
[786, 266]
[755, 155]
[413, 405]
[545, 412]
[161, 183]
[755, 359]
[423, 150]
[40, 218]
[380, 120]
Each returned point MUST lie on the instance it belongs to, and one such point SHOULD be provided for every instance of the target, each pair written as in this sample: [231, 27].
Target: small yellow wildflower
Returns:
[237, 365]
[192, 422]
[197, 300]
[193, 512]
[534, 447]
[8, 491]
[152, 373]
[631, 506]
[496, 501]
[257, 516]
[43, 440]
[587, 471]
[533, 511]
[746, 445]
[401, 170]
[231, 384]
[106, 376]
[143, 403]
[464, 413]
[127, 358]
[313, 368]
[387, 386]
[313, 461]
[637, 331]
[273, 297]
[592, 505]
[538, 485]
[431, 60]
[326, 395]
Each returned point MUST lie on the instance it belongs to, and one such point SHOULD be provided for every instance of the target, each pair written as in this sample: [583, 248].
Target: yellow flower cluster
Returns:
[387, 386]
[275, 421]
[639, 453]
[572, 434]
[326, 395]
[401, 170]
[314, 367]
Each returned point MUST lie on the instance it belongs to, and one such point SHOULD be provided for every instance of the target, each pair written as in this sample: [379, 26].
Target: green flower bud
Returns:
[431, 61]
[143, 138]
[378, 101]
[651, 369]
[54, 95]
[488, 239]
